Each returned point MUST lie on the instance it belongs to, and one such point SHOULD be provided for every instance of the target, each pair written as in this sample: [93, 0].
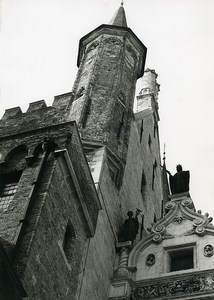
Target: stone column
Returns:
[123, 247]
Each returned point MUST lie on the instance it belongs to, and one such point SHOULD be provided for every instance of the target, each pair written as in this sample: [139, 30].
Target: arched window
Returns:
[10, 175]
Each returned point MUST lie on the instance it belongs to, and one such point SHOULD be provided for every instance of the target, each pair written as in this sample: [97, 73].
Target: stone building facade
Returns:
[70, 172]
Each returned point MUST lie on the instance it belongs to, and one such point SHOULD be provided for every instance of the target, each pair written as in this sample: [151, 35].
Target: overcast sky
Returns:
[39, 42]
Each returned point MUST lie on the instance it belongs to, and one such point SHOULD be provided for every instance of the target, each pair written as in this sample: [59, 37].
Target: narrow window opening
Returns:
[150, 142]
[143, 184]
[142, 227]
[153, 174]
[69, 240]
[181, 260]
[86, 112]
[155, 128]
[141, 131]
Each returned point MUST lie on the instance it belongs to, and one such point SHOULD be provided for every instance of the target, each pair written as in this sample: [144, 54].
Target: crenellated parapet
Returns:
[38, 115]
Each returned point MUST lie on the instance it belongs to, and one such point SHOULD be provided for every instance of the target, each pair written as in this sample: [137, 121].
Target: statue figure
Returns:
[130, 227]
[179, 183]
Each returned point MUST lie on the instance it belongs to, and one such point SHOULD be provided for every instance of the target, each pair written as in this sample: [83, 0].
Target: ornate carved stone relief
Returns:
[195, 284]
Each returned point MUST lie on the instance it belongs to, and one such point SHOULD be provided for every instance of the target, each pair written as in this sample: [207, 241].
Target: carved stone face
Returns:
[150, 260]
[208, 250]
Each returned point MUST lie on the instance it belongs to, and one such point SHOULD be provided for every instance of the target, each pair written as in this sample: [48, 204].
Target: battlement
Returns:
[36, 105]
[12, 112]
[38, 115]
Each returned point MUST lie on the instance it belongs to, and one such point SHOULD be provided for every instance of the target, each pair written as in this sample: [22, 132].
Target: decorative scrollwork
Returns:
[169, 206]
[187, 203]
[198, 222]
[200, 230]
[159, 228]
[157, 238]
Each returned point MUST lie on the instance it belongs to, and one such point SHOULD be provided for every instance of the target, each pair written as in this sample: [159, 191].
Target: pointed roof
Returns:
[119, 18]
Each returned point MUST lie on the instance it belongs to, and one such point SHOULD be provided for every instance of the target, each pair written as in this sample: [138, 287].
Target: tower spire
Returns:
[119, 18]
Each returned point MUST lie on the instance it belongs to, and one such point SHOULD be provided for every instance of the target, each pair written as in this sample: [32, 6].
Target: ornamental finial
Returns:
[122, 2]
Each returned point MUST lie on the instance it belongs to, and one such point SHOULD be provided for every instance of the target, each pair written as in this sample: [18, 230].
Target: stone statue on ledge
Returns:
[130, 227]
[179, 183]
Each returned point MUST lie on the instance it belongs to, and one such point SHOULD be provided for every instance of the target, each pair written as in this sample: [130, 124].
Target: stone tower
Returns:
[111, 58]
[70, 172]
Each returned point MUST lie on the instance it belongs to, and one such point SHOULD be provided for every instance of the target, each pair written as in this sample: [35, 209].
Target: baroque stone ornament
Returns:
[208, 250]
[198, 222]
[157, 238]
[200, 230]
[179, 218]
[169, 206]
[194, 285]
[150, 260]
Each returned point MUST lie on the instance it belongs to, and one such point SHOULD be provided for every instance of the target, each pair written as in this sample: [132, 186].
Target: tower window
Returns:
[155, 129]
[149, 141]
[141, 131]
[181, 260]
[8, 189]
[143, 184]
[69, 240]
[153, 174]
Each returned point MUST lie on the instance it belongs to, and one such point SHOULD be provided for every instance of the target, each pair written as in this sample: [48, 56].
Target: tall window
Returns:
[141, 131]
[143, 184]
[149, 142]
[69, 240]
[153, 174]
[9, 185]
